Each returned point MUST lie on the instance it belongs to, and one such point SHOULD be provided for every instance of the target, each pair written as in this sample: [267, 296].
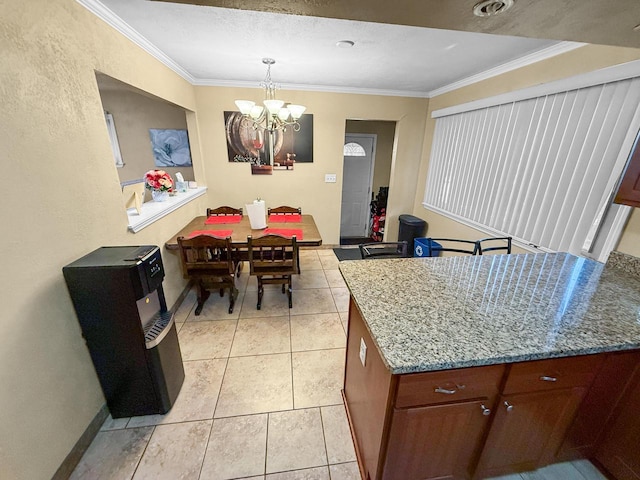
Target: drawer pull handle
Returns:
[544, 378]
[509, 406]
[445, 391]
[449, 391]
[485, 411]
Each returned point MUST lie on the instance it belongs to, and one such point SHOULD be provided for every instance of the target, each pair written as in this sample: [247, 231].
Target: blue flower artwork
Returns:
[170, 147]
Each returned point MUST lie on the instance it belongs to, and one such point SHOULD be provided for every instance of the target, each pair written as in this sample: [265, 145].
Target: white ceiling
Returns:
[219, 46]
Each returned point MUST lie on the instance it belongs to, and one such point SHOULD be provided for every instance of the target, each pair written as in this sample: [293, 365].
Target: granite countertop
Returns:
[429, 314]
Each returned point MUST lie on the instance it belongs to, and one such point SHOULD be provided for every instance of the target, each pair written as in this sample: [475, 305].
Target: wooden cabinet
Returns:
[527, 430]
[487, 421]
[619, 452]
[629, 190]
[438, 441]
[599, 405]
[537, 406]
[439, 422]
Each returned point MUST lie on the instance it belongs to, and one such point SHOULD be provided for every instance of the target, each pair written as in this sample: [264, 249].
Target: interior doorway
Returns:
[368, 154]
[357, 177]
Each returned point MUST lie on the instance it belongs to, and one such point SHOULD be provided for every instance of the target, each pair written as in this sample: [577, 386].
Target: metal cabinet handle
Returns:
[445, 391]
[509, 406]
[449, 391]
[544, 378]
[485, 411]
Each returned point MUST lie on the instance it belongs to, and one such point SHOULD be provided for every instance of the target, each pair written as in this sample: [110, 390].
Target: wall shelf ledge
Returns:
[153, 211]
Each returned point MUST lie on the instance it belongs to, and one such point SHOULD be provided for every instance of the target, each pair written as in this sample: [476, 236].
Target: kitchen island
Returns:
[484, 365]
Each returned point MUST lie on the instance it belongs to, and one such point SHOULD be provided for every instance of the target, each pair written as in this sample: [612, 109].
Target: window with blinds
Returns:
[540, 169]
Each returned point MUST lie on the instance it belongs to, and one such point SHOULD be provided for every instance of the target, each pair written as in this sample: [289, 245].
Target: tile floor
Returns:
[261, 398]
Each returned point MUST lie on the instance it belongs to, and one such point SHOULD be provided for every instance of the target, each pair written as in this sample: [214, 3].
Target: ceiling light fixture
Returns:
[488, 8]
[275, 114]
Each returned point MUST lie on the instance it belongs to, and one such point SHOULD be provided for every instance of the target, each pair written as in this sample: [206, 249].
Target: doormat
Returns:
[347, 254]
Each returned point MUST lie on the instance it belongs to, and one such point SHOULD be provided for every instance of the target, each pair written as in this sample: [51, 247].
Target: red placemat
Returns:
[285, 232]
[211, 233]
[280, 218]
[218, 219]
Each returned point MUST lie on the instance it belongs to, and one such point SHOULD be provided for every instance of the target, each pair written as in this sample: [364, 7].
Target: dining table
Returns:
[239, 228]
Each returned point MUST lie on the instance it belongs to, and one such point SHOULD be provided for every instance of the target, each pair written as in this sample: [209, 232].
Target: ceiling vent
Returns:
[487, 8]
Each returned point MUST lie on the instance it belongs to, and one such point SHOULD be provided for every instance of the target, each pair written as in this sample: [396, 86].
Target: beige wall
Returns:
[61, 200]
[233, 184]
[585, 59]
[133, 115]
[385, 132]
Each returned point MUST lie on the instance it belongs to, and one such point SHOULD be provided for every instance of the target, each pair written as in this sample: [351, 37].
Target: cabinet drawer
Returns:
[448, 385]
[552, 373]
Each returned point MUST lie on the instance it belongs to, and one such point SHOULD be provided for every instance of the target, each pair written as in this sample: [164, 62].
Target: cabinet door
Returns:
[438, 441]
[629, 189]
[527, 430]
[620, 451]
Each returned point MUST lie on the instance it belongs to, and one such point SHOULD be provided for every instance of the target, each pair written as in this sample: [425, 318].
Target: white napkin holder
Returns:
[257, 212]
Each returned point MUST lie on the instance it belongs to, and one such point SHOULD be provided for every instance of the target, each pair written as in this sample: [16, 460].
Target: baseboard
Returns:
[182, 296]
[73, 458]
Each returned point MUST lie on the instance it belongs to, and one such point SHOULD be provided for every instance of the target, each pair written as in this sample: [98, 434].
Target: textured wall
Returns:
[133, 115]
[233, 184]
[61, 200]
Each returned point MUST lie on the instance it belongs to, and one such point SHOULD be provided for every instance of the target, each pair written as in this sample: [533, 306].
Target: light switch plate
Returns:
[330, 178]
[363, 351]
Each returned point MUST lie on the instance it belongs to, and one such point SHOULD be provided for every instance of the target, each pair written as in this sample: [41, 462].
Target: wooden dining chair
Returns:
[383, 249]
[437, 245]
[208, 261]
[273, 259]
[228, 211]
[489, 245]
[285, 210]
[223, 211]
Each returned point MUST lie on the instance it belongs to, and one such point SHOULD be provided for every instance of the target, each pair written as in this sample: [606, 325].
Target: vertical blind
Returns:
[536, 169]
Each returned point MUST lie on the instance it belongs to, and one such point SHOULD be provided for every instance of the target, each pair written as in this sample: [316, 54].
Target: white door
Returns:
[357, 176]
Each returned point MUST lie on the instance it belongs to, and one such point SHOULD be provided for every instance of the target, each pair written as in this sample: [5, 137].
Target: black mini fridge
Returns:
[132, 338]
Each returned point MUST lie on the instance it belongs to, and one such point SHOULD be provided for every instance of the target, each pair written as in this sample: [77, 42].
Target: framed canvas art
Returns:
[170, 147]
[264, 150]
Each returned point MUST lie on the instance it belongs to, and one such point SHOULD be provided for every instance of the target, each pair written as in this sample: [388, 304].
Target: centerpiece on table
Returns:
[160, 183]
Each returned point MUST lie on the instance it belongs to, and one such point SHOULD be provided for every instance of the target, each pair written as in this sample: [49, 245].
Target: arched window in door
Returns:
[353, 149]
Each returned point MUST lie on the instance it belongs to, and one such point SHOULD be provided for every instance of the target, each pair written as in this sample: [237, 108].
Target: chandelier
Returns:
[275, 114]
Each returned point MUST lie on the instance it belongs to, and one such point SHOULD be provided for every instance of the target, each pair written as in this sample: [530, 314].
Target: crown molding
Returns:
[310, 88]
[534, 57]
[110, 18]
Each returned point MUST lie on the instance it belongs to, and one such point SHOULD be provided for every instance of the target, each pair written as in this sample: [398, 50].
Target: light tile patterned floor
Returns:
[261, 398]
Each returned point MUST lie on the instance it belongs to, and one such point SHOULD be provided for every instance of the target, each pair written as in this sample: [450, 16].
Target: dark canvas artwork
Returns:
[280, 150]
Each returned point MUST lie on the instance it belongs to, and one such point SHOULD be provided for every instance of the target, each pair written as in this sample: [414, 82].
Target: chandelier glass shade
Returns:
[275, 114]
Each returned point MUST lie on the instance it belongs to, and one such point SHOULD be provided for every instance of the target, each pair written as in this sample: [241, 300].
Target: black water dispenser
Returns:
[131, 335]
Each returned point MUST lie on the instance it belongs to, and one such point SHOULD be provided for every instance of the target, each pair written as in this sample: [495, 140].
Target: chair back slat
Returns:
[222, 211]
[205, 255]
[273, 252]
[285, 210]
[455, 245]
[489, 245]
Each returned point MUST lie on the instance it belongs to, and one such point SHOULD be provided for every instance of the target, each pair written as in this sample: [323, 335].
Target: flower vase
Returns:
[159, 195]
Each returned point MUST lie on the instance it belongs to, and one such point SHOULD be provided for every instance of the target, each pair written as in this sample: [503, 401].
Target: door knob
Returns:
[485, 411]
[508, 406]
